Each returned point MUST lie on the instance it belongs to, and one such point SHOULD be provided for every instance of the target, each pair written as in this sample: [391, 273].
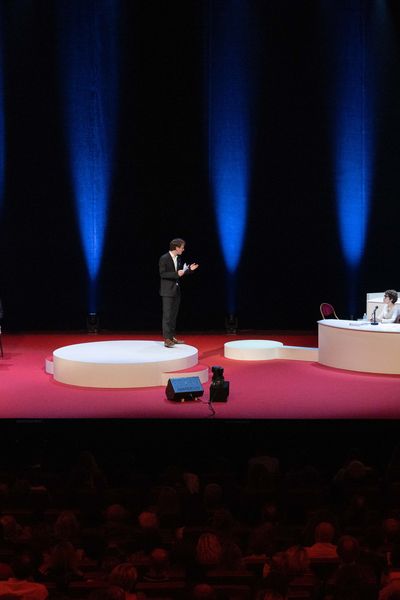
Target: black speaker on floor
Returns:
[184, 388]
[219, 392]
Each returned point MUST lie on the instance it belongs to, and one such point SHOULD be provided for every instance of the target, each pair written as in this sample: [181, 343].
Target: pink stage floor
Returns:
[275, 389]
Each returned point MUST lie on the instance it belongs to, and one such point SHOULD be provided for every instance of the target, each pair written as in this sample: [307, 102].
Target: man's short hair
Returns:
[176, 243]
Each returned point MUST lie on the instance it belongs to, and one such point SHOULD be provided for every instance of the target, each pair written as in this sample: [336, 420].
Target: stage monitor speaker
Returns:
[184, 388]
[219, 392]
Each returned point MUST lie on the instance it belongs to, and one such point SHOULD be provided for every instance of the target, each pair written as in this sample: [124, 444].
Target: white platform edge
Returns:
[299, 353]
[49, 366]
[252, 349]
[271, 352]
[201, 373]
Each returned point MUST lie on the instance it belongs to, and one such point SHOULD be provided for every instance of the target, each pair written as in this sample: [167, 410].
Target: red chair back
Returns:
[327, 311]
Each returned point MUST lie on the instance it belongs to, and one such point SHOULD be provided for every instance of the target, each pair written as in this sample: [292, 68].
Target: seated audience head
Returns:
[391, 529]
[124, 576]
[192, 482]
[159, 558]
[9, 527]
[324, 532]
[116, 513]
[348, 549]
[208, 550]
[66, 526]
[148, 520]
[159, 565]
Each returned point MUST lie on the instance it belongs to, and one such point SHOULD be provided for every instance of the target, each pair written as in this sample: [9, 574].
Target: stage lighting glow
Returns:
[353, 128]
[88, 38]
[2, 134]
[353, 156]
[229, 86]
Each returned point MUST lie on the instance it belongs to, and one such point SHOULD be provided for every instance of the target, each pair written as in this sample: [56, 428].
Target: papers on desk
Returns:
[384, 327]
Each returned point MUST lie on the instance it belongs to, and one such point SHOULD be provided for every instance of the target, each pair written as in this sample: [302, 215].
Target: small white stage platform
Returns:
[267, 350]
[124, 364]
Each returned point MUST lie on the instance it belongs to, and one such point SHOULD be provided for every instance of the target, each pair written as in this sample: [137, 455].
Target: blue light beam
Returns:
[2, 128]
[89, 33]
[230, 77]
[352, 127]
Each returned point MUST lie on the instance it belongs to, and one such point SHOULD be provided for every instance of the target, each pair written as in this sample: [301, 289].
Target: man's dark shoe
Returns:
[178, 341]
[169, 343]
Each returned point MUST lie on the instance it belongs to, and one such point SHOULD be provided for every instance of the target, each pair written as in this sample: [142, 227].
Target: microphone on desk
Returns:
[374, 321]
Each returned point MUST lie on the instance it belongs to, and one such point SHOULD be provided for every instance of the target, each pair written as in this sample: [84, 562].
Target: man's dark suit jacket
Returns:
[169, 277]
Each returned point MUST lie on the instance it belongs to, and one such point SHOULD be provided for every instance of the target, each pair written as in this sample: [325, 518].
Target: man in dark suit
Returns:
[171, 271]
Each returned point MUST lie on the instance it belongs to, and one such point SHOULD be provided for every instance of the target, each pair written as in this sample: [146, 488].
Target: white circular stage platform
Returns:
[124, 364]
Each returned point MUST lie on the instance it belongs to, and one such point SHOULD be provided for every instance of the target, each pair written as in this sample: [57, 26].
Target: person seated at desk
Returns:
[389, 312]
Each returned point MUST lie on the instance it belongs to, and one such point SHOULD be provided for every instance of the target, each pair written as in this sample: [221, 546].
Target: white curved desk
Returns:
[359, 346]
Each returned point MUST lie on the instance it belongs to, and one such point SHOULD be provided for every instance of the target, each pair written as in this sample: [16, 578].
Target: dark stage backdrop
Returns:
[292, 257]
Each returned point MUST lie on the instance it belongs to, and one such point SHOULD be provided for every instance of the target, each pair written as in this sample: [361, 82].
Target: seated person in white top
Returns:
[390, 312]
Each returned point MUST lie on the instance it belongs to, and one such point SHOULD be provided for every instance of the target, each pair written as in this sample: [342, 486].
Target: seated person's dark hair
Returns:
[348, 549]
[392, 295]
